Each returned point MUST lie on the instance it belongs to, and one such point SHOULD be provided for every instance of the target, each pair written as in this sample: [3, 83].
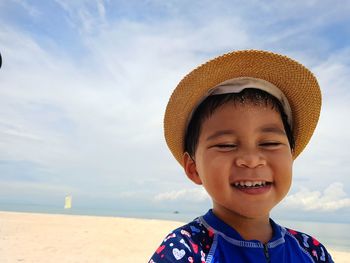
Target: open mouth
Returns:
[251, 184]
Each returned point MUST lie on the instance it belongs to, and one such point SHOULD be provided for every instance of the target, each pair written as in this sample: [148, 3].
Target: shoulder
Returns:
[189, 243]
[310, 245]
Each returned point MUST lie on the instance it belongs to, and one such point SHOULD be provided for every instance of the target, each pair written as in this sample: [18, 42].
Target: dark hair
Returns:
[212, 103]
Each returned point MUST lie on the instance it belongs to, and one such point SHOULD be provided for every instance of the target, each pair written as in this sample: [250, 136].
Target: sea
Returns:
[333, 235]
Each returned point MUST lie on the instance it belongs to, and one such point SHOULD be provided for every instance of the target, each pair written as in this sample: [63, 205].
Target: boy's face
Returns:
[239, 146]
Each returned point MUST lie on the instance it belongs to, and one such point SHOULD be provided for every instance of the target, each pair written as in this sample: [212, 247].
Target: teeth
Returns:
[250, 183]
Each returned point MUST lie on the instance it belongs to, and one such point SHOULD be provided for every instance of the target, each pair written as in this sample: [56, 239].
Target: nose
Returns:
[250, 159]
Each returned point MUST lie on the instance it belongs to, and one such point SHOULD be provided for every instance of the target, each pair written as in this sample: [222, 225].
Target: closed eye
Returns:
[225, 146]
[270, 144]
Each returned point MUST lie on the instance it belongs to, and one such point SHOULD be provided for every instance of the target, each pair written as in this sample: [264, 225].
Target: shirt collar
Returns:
[215, 224]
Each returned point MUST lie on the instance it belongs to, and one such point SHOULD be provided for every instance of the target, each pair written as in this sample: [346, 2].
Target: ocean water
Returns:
[331, 235]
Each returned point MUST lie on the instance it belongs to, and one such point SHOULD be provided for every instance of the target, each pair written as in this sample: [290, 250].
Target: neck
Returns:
[250, 228]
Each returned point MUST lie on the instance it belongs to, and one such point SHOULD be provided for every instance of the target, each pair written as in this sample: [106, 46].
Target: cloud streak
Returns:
[333, 198]
[195, 195]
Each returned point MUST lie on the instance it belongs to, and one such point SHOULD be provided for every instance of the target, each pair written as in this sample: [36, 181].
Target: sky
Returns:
[84, 85]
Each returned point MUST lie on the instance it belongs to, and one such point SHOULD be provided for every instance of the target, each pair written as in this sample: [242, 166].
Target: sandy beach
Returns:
[27, 237]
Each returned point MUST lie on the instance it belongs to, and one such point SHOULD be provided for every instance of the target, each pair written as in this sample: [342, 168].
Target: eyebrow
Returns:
[220, 133]
[265, 129]
[272, 129]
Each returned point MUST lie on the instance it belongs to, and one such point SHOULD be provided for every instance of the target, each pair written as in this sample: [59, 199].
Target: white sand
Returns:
[26, 237]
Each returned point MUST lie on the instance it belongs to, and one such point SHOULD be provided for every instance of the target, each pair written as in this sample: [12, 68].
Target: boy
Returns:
[235, 124]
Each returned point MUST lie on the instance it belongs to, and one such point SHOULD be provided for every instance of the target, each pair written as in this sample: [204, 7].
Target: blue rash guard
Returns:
[209, 239]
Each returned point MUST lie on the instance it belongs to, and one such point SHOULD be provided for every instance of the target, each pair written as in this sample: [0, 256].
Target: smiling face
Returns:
[243, 159]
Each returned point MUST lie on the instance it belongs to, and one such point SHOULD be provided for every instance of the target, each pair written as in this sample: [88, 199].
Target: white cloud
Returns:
[85, 16]
[195, 195]
[331, 199]
[326, 156]
[334, 75]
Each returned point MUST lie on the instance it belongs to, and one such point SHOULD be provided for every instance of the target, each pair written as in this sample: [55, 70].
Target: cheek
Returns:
[217, 158]
[213, 169]
[283, 171]
[217, 164]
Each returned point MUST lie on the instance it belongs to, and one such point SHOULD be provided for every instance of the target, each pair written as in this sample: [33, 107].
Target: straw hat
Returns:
[296, 82]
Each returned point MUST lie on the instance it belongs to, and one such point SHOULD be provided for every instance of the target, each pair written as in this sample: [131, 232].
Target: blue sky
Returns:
[84, 86]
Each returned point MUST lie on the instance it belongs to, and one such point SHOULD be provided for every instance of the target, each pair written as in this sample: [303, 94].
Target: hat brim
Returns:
[297, 83]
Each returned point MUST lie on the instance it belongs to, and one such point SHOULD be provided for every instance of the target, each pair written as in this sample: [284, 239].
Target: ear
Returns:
[191, 169]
